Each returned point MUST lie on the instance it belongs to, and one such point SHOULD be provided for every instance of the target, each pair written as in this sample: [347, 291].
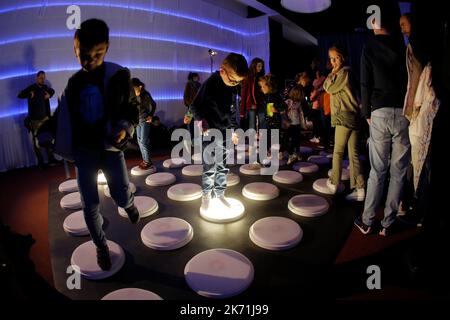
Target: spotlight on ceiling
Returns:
[212, 53]
[306, 6]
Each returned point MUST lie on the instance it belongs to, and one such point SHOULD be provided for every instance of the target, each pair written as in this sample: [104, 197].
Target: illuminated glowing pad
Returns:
[108, 193]
[132, 294]
[345, 174]
[308, 205]
[319, 160]
[217, 212]
[253, 169]
[276, 233]
[160, 179]
[219, 273]
[320, 185]
[232, 179]
[145, 205]
[136, 171]
[261, 191]
[167, 234]
[68, 186]
[101, 179]
[287, 177]
[75, 225]
[85, 258]
[71, 201]
[197, 157]
[174, 163]
[306, 150]
[184, 192]
[194, 170]
[305, 167]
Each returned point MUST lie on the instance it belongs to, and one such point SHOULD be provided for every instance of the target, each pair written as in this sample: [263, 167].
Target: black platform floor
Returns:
[299, 272]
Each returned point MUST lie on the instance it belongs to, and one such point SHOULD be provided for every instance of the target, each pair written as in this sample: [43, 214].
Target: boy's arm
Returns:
[366, 85]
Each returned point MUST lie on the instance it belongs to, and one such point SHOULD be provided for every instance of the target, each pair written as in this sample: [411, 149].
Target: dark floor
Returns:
[25, 199]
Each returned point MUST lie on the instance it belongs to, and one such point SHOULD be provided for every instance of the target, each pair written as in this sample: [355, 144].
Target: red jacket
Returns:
[248, 99]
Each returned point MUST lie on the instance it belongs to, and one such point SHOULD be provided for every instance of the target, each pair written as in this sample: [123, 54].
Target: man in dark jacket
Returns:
[383, 88]
[38, 95]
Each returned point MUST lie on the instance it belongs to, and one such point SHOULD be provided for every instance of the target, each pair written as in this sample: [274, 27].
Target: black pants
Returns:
[293, 139]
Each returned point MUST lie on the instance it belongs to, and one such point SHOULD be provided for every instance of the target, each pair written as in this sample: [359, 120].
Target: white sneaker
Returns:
[206, 199]
[333, 188]
[224, 201]
[358, 194]
[292, 158]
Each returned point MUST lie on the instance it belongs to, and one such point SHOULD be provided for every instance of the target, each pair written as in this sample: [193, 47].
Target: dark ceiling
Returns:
[342, 16]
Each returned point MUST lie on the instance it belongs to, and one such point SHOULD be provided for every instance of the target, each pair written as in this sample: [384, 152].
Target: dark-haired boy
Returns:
[213, 107]
[102, 120]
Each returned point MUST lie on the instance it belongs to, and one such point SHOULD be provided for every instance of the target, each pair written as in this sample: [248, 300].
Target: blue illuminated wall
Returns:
[159, 40]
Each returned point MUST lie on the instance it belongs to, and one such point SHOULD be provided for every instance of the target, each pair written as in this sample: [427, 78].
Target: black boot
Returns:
[103, 258]
[133, 214]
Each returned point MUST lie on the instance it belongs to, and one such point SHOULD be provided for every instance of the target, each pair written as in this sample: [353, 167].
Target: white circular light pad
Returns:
[108, 193]
[276, 233]
[319, 160]
[287, 177]
[71, 201]
[261, 191]
[75, 225]
[160, 179]
[136, 171]
[219, 273]
[252, 169]
[145, 205]
[85, 258]
[306, 6]
[306, 150]
[345, 174]
[232, 179]
[174, 163]
[101, 179]
[167, 233]
[131, 294]
[308, 205]
[68, 186]
[194, 170]
[185, 192]
[306, 167]
[320, 185]
[219, 213]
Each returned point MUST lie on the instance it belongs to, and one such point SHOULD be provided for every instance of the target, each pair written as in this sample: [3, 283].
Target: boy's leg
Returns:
[114, 167]
[86, 166]
[220, 179]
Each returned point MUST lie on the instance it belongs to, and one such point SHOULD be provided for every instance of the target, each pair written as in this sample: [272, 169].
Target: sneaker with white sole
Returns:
[224, 201]
[364, 228]
[206, 199]
[292, 158]
[358, 194]
[333, 188]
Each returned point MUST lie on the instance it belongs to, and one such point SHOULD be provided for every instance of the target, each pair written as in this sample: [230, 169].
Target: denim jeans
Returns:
[389, 149]
[143, 139]
[214, 178]
[251, 119]
[87, 163]
[262, 124]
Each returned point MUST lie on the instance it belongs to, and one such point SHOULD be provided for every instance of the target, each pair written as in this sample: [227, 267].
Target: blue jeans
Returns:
[389, 148]
[262, 120]
[143, 139]
[214, 177]
[87, 163]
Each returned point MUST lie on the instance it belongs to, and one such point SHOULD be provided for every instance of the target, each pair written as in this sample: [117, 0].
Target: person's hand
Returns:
[31, 94]
[235, 138]
[204, 125]
[369, 121]
[253, 108]
[273, 109]
[121, 135]
[46, 96]
[149, 119]
[242, 116]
